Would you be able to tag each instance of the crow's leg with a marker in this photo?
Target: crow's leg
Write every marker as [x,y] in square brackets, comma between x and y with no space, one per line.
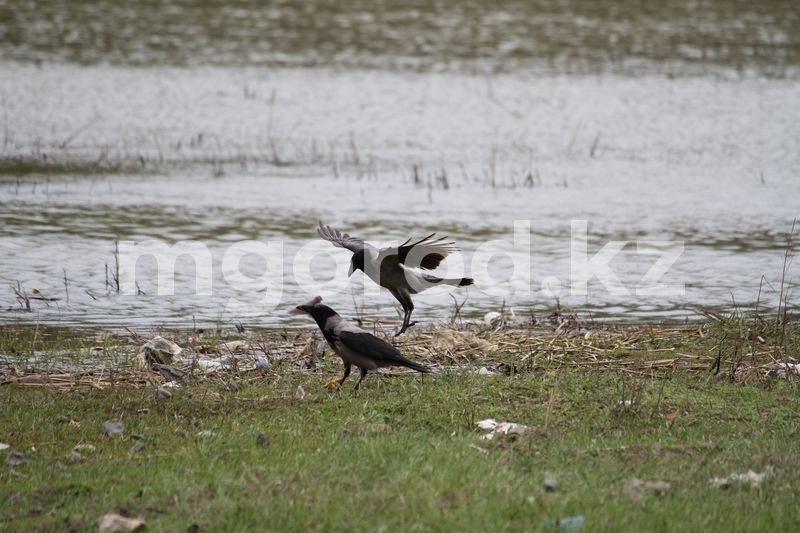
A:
[338,381]
[408,307]
[363,375]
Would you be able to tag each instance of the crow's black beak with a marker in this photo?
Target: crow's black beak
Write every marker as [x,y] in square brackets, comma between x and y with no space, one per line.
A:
[300,310]
[352,269]
[307,308]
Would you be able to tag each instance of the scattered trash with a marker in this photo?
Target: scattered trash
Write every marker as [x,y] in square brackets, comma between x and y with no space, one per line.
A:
[139,446]
[114,523]
[568,523]
[484,451]
[670,416]
[635,487]
[75,457]
[207,365]
[205,433]
[483,371]
[262,363]
[753,478]
[500,428]
[170,373]
[300,393]
[319,346]
[113,427]
[261,440]
[490,318]
[15,459]
[781,370]
[551,485]
[171,385]
[234,347]
[626,403]
[493,319]
[162,393]
[447,340]
[157,350]
[4,446]
[84,448]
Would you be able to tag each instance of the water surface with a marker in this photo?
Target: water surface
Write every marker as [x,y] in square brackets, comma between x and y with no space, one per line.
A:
[228,122]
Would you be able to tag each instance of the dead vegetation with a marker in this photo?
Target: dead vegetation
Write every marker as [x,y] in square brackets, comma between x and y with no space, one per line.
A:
[729,349]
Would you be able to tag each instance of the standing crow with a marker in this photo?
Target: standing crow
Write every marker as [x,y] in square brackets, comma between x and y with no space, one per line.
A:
[354,345]
[396,268]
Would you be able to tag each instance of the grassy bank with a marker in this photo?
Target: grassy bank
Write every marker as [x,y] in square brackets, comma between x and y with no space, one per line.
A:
[404,453]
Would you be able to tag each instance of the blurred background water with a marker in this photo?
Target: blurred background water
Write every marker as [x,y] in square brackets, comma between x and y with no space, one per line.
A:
[226,121]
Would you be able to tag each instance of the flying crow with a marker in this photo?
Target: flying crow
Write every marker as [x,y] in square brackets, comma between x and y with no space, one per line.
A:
[397,268]
[354,345]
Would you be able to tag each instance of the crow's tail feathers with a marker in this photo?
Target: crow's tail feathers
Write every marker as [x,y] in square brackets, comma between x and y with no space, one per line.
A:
[415,366]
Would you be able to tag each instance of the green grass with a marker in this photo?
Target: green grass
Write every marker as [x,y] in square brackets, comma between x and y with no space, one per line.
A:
[404,454]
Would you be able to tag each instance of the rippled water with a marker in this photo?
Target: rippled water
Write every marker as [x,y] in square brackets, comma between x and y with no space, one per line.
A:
[562,36]
[118,124]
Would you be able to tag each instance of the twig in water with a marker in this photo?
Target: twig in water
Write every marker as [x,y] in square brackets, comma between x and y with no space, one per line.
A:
[595,143]
[359,318]
[77,132]
[66,285]
[116,265]
[354,150]
[21,296]
[457,308]
[787,259]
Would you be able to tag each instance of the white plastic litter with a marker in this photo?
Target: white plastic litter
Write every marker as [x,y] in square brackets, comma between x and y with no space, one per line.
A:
[208,365]
[300,393]
[783,369]
[491,317]
[500,429]
[114,523]
[234,347]
[157,350]
[753,478]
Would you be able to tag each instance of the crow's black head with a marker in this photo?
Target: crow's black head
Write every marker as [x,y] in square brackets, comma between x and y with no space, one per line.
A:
[357,262]
[316,310]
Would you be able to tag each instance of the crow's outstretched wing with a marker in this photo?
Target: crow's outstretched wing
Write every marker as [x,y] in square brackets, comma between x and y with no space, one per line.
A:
[337,238]
[381,351]
[427,253]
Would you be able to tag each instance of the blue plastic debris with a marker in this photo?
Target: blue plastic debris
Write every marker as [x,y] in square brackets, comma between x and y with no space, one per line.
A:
[569,523]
